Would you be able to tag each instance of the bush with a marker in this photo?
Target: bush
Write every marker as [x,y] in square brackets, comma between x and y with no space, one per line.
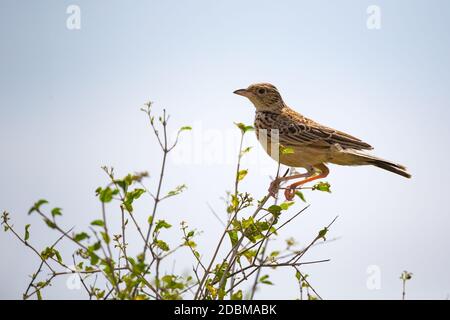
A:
[249,227]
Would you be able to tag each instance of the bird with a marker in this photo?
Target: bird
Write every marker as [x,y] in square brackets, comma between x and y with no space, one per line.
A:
[311,145]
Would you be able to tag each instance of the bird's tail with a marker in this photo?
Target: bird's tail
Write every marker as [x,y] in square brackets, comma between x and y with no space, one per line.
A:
[361,158]
[392,167]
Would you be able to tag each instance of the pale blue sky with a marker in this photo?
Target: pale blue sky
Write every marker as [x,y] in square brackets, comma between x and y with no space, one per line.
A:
[69,103]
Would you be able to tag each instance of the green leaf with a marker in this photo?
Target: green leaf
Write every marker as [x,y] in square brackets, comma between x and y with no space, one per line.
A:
[264,279]
[99,223]
[106,195]
[190,243]
[94,259]
[190,234]
[322,186]
[290,242]
[300,195]
[162,245]
[162,224]
[241,174]
[27,232]
[246,223]
[237,295]
[249,255]
[179,189]
[233,237]
[275,210]
[286,205]
[50,253]
[212,291]
[243,127]
[245,150]
[105,237]
[97,245]
[275,253]
[322,233]
[171,282]
[298,275]
[56,212]
[58,255]
[37,205]
[406,275]
[81,236]
[137,193]
[130,197]
[50,223]
[184,128]
[221,294]
[234,204]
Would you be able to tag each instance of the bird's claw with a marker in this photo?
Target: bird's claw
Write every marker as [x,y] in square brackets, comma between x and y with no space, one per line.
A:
[274,187]
[289,193]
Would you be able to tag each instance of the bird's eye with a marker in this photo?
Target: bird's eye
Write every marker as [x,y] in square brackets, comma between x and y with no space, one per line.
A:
[261,91]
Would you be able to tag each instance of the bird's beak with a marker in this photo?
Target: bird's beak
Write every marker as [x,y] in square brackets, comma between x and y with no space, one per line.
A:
[242,92]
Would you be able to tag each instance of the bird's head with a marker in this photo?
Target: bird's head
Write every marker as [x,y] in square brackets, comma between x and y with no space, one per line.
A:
[264,96]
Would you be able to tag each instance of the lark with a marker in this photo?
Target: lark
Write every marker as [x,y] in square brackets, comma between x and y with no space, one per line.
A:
[313,145]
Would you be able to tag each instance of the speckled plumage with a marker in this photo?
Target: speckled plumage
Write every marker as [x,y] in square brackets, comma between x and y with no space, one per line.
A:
[314,144]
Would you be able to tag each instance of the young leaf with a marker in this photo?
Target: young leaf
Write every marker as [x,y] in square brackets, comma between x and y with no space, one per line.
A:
[162,224]
[322,186]
[94,259]
[107,194]
[50,223]
[275,210]
[241,174]
[322,233]
[179,189]
[249,255]
[300,195]
[286,205]
[212,291]
[184,128]
[27,232]
[245,150]
[275,253]
[99,223]
[58,255]
[56,212]
[233,237]
[243,127]
[81,236]
[264,279]
[162,245]
[237,295]
[37,205]
[105,237]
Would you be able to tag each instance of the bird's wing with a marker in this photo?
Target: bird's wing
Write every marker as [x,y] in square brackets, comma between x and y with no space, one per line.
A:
[299,130]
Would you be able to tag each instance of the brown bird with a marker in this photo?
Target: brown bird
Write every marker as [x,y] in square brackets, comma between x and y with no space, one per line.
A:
[313,144]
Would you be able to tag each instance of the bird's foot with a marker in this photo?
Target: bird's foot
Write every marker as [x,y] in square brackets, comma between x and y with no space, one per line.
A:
[274,187]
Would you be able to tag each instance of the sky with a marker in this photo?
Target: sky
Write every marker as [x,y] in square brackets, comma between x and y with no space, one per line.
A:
[70,100]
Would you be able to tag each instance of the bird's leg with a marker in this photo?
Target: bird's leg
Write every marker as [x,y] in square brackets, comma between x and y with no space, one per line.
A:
[289,193]
[275,184]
